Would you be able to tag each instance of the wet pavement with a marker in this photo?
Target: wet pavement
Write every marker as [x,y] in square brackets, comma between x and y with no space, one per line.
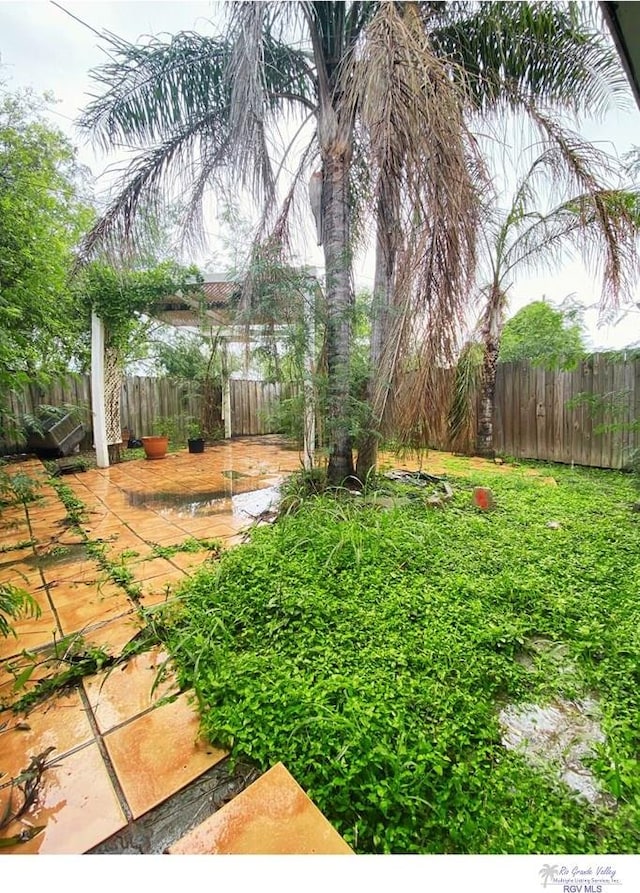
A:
[122,743]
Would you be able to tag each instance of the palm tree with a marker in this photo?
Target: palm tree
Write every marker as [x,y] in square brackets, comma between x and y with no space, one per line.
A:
[395,82]
[601,223]
[219,100]
[511,56]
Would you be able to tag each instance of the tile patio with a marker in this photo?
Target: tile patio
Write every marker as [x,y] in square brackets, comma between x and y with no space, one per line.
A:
[120,746]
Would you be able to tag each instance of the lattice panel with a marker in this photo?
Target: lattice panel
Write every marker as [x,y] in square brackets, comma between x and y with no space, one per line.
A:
[112,387]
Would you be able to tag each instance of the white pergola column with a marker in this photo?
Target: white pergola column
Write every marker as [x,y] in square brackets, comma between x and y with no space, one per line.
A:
[226,389]
[97,392]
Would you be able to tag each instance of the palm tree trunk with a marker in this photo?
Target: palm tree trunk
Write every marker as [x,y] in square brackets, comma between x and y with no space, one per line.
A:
[484,440]
[340,303]
[491,333]
[381,318]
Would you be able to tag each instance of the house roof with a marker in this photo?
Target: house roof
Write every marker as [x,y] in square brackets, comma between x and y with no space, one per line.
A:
[623,20]
[219,297]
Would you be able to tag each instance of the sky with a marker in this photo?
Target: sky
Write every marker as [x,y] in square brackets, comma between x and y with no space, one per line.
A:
[44,48]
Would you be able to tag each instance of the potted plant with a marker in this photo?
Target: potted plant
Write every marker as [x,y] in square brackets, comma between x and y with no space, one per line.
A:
[156,445]
[195,439]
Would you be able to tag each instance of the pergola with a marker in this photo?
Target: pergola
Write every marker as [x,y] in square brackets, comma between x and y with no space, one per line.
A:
[217,309]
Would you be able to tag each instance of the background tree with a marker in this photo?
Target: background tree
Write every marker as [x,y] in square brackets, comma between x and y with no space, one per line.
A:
[552,337]
[43,214]
[182,357]
[593,218]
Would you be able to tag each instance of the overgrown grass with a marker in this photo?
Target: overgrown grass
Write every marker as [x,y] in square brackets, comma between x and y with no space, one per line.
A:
[372,650]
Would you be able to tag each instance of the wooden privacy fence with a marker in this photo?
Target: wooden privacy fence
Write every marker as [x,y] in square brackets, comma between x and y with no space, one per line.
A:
[585,416]
[254,405]
[590,416]
[143,401]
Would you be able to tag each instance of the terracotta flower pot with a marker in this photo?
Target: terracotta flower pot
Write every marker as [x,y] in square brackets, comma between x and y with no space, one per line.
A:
[155,447]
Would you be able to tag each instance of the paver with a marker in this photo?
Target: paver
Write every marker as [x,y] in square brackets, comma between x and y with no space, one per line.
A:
[119,747]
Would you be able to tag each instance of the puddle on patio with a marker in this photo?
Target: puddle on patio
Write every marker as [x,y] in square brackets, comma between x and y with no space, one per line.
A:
[249,503]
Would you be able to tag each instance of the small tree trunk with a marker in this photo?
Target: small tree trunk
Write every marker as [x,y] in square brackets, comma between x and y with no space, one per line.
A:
[340,304]
[484,439]
[491,333]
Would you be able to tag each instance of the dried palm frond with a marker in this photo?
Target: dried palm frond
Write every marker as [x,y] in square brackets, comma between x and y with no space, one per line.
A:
[425,176]
[197,122]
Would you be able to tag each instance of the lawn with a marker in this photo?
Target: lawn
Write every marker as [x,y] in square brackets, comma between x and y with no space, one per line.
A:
[371,649]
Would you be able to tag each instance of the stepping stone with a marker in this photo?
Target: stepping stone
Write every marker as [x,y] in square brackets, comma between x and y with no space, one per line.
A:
[272,816]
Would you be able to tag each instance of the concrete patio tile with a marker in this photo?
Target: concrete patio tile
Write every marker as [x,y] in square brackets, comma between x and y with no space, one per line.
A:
[77,805]
[106,529]
[159,589]
[155,530]
[9,693]
[67,592]
[130,689]
[211,529]
[14,556]
[159,753]
[20,573]
[30,634]
[171,537]
[189,561]
[77,571]
[60,722]
[154,567]
[15,535]
[119,548]
[113,635]
[273,816]
[79,613]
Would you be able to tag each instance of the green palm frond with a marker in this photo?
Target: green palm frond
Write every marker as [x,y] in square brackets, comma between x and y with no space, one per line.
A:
[148,90]
[547,52]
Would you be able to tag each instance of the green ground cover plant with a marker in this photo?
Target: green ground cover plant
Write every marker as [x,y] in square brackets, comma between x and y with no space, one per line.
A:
[371,651]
